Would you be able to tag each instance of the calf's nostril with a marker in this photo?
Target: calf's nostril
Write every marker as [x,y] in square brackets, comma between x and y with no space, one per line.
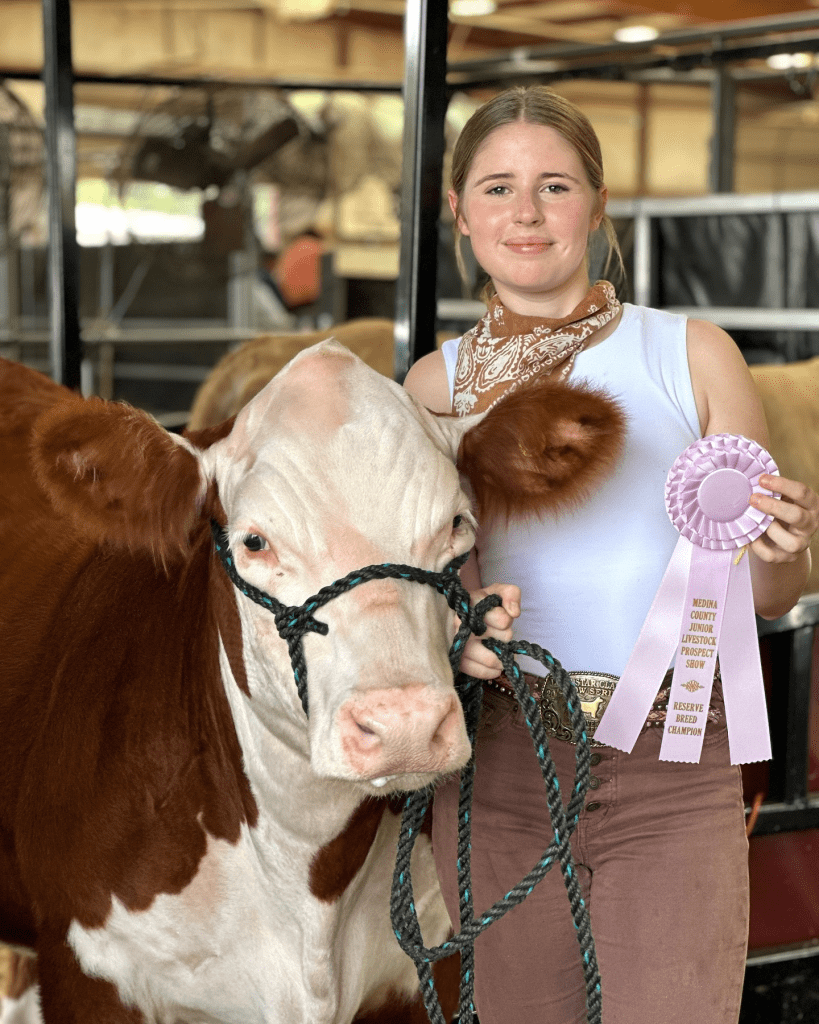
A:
[366,739]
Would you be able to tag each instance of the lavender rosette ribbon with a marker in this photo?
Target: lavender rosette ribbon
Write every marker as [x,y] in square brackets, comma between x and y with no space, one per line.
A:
[704,604]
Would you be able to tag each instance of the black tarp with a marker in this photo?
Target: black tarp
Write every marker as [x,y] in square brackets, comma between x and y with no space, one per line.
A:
[756,260]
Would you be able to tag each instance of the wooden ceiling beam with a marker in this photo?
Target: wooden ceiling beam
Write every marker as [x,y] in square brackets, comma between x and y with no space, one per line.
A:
[560,10]
[587,31]
[727,10]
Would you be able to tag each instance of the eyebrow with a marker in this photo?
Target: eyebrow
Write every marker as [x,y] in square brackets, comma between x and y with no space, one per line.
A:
[506,175]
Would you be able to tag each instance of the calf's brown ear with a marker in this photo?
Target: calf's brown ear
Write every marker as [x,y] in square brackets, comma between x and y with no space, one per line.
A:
[543,447]
[118,476]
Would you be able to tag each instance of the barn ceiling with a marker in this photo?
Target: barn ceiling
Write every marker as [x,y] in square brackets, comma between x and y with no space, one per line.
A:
[321,42]
[515,22]
[169,36]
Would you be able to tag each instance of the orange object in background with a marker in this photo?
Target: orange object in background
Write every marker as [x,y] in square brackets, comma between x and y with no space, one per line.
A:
[298,271]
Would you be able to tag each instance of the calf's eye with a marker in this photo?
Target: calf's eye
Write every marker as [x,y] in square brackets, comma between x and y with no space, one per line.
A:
[456,522]
[253,542]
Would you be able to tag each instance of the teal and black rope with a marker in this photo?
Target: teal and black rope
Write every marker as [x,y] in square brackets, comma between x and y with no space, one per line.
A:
[293,623]
[564,821]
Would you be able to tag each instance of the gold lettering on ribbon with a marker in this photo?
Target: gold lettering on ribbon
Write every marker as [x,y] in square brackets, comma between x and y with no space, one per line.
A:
[698,646]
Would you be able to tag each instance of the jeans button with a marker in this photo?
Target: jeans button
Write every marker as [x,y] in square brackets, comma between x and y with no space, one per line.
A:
[593,806]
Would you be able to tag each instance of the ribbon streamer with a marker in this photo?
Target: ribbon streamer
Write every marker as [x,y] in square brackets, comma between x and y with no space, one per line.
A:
[704,605]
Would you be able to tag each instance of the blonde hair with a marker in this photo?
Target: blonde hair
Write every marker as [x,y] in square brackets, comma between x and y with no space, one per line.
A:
[534,104]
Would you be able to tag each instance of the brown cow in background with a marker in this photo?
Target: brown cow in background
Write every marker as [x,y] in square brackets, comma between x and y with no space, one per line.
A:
[241,374]
[790,395]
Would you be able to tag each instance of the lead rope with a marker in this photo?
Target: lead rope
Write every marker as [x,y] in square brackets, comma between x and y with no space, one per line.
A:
[294,622]
[564,821]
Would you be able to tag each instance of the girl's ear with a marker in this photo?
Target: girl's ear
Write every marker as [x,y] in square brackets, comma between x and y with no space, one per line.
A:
[600,212]
[545,446]
[460,223]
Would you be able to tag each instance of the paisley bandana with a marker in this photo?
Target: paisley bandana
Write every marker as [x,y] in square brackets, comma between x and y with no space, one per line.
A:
[505,349]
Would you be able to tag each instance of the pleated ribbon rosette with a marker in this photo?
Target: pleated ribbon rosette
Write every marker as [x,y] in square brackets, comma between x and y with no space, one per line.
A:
[704,606]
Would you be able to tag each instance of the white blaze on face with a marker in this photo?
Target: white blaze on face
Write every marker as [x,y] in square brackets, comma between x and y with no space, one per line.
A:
[335,468]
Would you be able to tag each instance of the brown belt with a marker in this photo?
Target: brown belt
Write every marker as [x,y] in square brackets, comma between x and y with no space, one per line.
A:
[594,689]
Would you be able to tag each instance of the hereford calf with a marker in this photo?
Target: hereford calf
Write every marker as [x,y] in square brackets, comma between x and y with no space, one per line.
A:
[179,841]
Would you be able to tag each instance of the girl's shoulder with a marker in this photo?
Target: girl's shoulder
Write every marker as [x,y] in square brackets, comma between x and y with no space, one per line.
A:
[727,399]
[427,381]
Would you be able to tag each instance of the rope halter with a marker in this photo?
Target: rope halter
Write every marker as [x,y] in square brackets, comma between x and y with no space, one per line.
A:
[294,622]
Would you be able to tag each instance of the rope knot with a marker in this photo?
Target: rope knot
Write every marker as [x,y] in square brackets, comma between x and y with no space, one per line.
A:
[293,623]
[477,619]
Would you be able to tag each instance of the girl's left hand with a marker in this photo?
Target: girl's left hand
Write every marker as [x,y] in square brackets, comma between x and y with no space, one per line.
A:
[796,519]
[476,659]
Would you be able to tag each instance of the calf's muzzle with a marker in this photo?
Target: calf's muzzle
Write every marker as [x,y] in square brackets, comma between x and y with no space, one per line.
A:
[413,729]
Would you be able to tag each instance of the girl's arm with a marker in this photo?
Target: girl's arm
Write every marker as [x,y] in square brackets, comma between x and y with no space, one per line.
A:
[426,381]
[728,402]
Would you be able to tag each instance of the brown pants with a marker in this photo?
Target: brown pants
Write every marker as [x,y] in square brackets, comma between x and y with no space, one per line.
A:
[663,862]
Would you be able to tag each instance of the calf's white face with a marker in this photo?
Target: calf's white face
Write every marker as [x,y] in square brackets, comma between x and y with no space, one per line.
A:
[332,468]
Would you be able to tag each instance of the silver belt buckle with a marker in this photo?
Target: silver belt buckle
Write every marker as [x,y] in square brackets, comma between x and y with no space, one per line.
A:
[594,690]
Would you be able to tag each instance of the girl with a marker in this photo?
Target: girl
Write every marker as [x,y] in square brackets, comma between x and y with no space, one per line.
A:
[660,846]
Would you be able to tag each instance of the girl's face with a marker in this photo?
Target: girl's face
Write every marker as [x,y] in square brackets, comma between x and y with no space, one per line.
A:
[528,208]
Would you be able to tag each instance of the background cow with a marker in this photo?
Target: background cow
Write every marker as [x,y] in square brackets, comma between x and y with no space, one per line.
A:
[790,395]
[242,373]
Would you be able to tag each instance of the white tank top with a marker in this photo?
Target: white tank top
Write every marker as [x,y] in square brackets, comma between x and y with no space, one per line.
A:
[588,575]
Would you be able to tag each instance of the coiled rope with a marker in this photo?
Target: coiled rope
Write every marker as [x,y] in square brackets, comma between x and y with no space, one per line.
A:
[294,622]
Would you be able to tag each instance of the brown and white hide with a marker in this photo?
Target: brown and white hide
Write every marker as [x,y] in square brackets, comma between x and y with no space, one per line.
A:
[179,842]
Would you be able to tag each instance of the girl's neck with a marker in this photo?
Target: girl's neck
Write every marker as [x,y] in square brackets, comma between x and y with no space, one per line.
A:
[551,305]
[557,306]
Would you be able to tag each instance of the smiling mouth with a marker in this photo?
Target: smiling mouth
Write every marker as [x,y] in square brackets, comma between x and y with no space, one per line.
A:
[534,246]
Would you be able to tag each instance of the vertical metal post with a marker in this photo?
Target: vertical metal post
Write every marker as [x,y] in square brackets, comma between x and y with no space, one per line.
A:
[61,162]
[6,297]
[723,138]
[643,258]
[241,273]
[425,103]
[643,110]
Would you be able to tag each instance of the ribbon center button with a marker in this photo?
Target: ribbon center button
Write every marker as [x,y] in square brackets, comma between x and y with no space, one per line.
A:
[723,495]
